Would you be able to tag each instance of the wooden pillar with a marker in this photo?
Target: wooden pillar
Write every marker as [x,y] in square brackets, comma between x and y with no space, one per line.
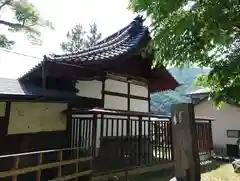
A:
[69,126]
[186,154]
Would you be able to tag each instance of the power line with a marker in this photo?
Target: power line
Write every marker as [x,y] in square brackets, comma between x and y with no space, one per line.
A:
[22,54]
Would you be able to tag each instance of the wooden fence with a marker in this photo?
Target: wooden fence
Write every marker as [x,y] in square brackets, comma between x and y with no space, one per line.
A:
[51,165]
[130,139]
[204,135]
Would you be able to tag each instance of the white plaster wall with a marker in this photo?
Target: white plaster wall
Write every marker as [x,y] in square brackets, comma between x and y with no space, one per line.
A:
[226,118]
[115,102]
[91,89]
[120,103]
[116,86]
[2,109]
[28,117]
[139,90]
[138,105]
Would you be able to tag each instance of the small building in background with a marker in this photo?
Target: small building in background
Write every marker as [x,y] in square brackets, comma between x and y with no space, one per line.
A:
[226,124]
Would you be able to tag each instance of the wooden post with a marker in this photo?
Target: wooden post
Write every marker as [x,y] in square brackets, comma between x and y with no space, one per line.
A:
[15,167]
[139,140]
[60,158]
[186,153]
[38,175]
[94,134]
[210,134]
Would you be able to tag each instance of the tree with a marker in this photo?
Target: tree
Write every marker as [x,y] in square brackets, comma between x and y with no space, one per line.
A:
[198,32]
[93,37]
[26,19]
[76,40]
[79,39]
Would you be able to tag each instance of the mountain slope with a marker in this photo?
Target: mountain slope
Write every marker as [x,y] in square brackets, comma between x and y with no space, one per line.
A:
[161,102]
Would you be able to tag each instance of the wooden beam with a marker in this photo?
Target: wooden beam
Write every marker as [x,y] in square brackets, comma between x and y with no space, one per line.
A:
[125,78]
[128,108]
[103,89]
[124,95]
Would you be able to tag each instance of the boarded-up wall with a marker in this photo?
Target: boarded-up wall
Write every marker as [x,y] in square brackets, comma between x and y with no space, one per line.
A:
[34,126]
[28,117]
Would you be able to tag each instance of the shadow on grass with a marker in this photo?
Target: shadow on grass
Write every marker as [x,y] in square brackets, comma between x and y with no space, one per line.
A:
[162,175]
[167,174]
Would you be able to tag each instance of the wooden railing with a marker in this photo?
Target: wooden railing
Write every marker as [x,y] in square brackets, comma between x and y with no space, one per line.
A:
[25,168]
[131,139]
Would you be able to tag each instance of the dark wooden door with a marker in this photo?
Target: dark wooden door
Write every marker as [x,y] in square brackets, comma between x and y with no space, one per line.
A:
[232,151]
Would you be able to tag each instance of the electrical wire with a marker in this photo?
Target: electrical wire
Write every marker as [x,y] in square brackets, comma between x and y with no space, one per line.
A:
[17,53]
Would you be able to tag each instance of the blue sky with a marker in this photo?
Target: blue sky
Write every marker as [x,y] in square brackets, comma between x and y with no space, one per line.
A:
[110,15]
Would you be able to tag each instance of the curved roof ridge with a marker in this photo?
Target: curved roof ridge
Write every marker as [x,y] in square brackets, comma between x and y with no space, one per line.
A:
[94,47]
[93,50]
[124,33]
[117,44]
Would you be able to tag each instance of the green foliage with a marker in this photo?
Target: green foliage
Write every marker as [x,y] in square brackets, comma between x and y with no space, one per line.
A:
[93,37]
[26,19]
[78,39]
[5,43]
[75,38]
[198,32]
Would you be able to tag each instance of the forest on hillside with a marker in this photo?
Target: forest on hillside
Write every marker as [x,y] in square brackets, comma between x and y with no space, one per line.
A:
[161,101]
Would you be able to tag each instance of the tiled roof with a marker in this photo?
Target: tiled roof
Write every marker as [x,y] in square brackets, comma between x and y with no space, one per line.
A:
[105,56]
[118,44]
[14,87]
